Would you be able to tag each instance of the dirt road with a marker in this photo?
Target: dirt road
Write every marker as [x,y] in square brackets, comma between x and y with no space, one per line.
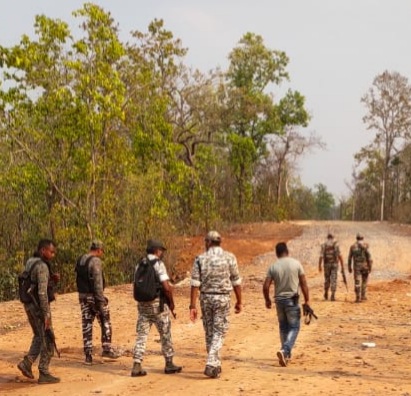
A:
[328,357]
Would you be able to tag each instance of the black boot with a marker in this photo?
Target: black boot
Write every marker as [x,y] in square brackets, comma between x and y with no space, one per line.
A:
[25,367]
[332,296]
[170,367]
[326,295]
[46,378]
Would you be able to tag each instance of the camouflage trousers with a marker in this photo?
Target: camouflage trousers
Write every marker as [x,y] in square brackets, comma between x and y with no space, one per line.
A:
[40,345]
[215,310]
[89,312]
[149,314]
[330,276]
[360,282]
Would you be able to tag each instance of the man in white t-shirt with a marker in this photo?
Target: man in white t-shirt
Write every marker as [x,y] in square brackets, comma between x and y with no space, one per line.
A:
[288,276]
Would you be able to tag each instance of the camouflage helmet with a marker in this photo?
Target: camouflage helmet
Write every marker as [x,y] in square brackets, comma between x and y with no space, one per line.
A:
[360,236]
[96,244]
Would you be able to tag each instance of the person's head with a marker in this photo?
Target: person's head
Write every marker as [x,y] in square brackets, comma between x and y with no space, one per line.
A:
[359,236]
[46,249]
[281,249]
[155,247]
[330,236]
[213,238]
[97,248]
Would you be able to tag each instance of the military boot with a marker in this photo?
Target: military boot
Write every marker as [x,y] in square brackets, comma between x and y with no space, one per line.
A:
[170,367]
[46,378]
[358,299]
[25,367]
[332,296]
[137,370]
[326,295]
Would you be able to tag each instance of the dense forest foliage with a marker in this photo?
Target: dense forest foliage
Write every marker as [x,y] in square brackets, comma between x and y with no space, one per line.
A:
[123,141]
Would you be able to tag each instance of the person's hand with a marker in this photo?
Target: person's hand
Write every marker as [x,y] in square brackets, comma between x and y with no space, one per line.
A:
[350,270]
[193,314]
[268,304]
[320,269]
[238,307]
[47,323]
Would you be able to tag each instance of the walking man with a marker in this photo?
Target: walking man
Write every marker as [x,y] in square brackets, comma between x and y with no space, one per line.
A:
[288,276]
[39,313]
[90,286]
[215,274]
[330,255]
[360,256]
[157,311]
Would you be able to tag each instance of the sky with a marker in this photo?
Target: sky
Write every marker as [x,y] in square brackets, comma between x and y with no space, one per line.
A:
[336,49]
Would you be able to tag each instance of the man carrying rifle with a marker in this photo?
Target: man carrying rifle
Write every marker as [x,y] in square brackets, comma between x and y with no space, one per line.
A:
[330,255]
[156,311]
[288,276]
[39,314]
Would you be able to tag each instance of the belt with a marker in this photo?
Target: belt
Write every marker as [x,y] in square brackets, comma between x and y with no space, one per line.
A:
[216,293]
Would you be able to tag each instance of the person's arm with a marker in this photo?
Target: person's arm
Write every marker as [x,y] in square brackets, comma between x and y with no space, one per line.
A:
[236,283]
[195,288]
[168,291]
[43,275]
[349,261]
[238,305]
[304,288]
[96,272]
[320,260]
[369,259]
[266,292]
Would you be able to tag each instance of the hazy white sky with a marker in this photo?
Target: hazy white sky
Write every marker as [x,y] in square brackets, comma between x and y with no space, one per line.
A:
[336,48]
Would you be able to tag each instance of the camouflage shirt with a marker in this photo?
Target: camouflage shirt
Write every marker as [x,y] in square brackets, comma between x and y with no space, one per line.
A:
[215,271]
[330,251]
[40,276]
[96,277]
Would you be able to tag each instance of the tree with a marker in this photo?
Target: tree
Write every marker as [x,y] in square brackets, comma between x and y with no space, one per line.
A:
[324,202]
[388,103]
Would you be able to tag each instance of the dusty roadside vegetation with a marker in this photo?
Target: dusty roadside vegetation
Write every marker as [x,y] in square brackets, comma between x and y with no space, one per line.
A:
[328,359]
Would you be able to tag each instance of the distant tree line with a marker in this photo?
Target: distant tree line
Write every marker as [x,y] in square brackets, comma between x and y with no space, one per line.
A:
[123,141]
[381,181]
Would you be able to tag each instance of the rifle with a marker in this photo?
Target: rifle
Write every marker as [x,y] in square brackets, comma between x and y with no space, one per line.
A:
[49,333]
[344,279]
[164,299]
[308,312]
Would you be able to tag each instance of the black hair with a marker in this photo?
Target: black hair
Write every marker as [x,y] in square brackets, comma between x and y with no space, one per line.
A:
[281,249]
[44,243]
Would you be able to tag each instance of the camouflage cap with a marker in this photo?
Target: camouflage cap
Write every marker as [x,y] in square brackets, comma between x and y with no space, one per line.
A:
[360,236]
[213,236]
[155,244]
[96,244]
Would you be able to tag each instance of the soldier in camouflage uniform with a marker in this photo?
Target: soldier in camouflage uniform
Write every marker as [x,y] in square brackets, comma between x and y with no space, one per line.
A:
[39,314]
[330,255]
[214,274]
[93,303]
[155,312]
[360,256]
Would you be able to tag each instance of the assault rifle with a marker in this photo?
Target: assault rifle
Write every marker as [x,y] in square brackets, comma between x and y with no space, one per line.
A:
[52,339]
[344,279]
[48,333]
[308,312]
[164,299]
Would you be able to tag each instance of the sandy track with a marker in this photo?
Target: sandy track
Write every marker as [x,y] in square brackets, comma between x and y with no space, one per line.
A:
[328,357]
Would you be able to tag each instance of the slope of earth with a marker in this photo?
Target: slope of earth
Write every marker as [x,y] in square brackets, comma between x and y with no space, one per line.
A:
[329,357]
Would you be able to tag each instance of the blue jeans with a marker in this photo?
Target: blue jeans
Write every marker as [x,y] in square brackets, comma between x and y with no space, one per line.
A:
[289,316]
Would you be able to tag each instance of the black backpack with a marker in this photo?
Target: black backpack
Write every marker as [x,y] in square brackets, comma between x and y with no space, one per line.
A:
[146,286]
[25,284]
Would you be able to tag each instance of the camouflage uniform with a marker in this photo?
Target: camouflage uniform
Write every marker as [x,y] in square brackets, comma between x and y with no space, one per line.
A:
[361,257]
[330,252]
[215,272]
[36,314]
[95,305]
[149,314]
